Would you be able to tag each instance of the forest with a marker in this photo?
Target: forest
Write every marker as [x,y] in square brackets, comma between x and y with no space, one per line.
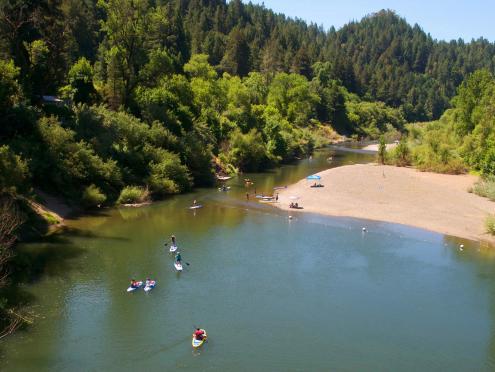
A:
[153,97]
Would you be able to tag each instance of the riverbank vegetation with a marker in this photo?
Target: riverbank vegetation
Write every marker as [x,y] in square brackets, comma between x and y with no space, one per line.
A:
[126,99]
[462,139]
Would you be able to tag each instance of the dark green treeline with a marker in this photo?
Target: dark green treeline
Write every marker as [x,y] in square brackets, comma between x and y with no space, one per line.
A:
[158,94]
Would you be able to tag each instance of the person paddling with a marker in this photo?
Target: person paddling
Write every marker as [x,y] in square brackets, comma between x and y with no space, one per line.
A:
[178,258]
[199,334]
[174,243]
[134,284]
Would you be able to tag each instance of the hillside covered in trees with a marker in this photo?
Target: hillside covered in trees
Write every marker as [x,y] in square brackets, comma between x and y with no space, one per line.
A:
[152,91]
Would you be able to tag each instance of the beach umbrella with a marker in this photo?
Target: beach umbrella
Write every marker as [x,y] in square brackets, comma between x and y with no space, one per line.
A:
[313,177]
[293,197]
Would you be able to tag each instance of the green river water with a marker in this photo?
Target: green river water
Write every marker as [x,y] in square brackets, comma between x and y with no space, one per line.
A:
[309,294]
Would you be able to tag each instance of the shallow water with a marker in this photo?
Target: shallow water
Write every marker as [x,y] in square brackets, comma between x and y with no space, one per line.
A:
[311,293]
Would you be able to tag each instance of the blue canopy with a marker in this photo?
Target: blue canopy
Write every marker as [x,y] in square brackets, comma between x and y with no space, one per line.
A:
[313,177]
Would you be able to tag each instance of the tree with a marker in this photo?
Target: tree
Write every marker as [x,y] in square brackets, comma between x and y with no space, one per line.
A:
[13,171]
[126,29]
[10,91]
[236,58]
[10,220]
[382,150]
[81,88]
[292,96]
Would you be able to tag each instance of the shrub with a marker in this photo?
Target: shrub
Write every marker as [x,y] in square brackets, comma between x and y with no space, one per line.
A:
[13,170]
[485,187]
[401,155]
[92,197]
[133,194]
[382,150]
[490,224]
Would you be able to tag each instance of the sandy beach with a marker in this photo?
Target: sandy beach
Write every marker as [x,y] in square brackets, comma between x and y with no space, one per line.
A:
[374,147]
[436,202]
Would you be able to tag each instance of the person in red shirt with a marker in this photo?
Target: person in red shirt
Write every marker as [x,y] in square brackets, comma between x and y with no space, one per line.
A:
[199,334]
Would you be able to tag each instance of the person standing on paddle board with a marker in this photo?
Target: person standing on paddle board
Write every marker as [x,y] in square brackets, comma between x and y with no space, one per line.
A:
[178,258]
[173,240]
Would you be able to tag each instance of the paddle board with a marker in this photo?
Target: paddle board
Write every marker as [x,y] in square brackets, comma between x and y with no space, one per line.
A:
[132,289]
[197,343]
[150,286]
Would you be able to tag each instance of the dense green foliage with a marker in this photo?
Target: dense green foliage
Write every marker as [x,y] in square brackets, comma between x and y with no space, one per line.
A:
[159,93]
[133,194]
[464,137]
[93,197]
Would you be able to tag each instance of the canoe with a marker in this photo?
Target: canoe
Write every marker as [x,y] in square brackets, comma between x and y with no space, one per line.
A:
[224,189]
[198,343]
[279,187]
[223,178]
[150,286]
[196,206]
[178,266]
[173,248]
[132,289]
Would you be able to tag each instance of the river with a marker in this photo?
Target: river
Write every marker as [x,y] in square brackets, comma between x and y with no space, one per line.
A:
[312,293]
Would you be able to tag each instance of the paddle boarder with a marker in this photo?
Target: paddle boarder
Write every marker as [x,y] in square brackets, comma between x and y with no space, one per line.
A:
[178,258]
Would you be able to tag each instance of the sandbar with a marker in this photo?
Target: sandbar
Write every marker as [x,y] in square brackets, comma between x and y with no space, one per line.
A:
[432,201]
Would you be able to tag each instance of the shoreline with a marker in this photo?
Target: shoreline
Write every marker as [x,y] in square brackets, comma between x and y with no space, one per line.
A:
[436,202]
[375,146]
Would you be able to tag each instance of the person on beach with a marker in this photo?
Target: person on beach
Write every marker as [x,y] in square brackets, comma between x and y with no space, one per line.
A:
[276,197]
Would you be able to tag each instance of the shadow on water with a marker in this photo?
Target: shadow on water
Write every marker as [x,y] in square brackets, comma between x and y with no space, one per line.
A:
[49,256]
